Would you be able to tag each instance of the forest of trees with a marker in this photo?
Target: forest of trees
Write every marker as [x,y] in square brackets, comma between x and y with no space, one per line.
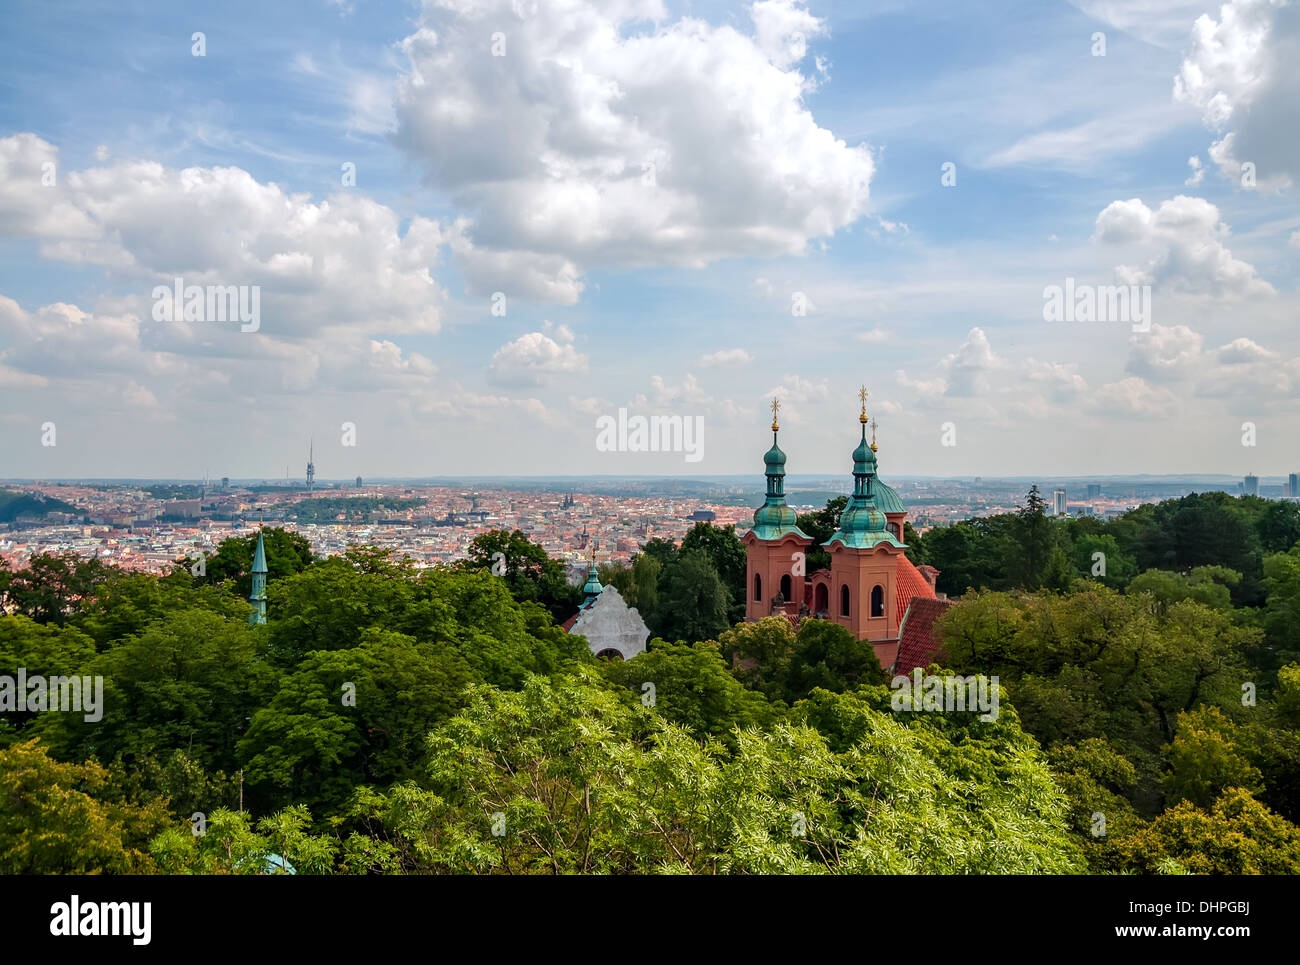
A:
[389,719]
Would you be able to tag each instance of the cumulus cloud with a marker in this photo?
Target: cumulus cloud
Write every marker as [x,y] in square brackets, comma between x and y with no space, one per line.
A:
[967,368]
[605,133]
[727,357]
[1240,73]
[1166,353]
[338,262]
[535,359]
[1133,398]
[1241,368]
[1182,245]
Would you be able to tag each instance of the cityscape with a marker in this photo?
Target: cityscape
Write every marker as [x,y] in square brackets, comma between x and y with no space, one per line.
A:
[621,438]
[153,526]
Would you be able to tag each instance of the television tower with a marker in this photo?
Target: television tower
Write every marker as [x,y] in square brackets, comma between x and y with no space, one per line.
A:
[311,467]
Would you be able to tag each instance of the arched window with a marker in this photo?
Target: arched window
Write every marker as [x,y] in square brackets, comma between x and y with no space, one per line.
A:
[823,598]
[877,601]
[758,587]
[844,600]
[785,587]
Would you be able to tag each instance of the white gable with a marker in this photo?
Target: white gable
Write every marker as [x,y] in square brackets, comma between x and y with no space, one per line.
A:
[610,624]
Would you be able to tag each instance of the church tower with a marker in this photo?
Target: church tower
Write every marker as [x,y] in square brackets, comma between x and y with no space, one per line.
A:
[864,595]
[775,548]
[258,597]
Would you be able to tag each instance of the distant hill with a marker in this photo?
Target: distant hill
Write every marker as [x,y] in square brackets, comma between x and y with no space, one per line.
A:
[15,504]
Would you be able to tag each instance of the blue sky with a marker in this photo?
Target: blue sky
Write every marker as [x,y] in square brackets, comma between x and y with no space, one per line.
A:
[794,153]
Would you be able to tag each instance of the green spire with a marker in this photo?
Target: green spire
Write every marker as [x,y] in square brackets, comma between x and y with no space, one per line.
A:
[258,597]
[774,518]
[862,524]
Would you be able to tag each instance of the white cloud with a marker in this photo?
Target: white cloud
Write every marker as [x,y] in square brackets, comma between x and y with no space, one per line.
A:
[727,357]
[608,134]
[1182,242]
[968,368]
[1166,353]
[875,335]
[1198,172]
[535,359]
[796,389]
[338,262]
[1240,73]
[1133,398]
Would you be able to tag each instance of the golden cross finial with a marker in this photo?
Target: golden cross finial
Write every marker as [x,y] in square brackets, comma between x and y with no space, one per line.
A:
[776,407]
[873,435]
[862,394]
[593,552]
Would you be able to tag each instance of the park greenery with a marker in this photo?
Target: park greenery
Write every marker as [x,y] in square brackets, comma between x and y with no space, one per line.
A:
[389,719]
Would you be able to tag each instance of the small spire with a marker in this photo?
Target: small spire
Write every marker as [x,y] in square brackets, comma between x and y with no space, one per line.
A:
[776,407]
[873,435]
[862,394]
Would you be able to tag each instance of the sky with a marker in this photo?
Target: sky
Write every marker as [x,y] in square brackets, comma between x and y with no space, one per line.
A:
[473,231]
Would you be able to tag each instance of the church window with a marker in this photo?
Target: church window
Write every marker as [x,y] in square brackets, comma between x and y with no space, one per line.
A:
[785,587]
[758,586]
[878,601]
[844,600]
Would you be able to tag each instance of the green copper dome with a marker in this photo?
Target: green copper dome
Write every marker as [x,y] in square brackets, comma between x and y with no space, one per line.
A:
[862,524]
[592,589]
[774,519]
[887,498]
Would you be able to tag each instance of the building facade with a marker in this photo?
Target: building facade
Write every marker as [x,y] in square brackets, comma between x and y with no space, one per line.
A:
[870,587]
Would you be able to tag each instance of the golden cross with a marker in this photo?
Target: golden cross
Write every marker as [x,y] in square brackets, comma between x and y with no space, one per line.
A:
[862,394]
[593,553]
[776,407]
[873,435]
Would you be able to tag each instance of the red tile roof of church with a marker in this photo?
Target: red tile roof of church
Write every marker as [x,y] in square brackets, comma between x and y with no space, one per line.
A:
[910,583]
[917,646]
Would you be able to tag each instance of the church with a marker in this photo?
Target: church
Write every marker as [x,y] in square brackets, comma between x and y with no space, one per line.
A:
[871,588]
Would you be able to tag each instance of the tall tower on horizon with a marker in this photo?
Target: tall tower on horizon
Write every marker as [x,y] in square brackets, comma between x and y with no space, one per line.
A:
[311,466]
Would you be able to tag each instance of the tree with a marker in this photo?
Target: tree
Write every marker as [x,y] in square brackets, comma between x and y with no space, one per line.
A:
[1205,759]
[566,777]
[693,602]
[691,688]
[1238,835]
[62,818]
[190,682]
[52,587]
[286,554]
[727,554]
[351,717]
[826,655]
[529,572]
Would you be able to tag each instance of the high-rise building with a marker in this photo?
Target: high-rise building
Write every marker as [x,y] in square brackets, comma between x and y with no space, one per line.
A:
[1058,502]
[225,482]
[1094,490]
[358,482]
[1293,485]
[311,467]
[1250,485]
